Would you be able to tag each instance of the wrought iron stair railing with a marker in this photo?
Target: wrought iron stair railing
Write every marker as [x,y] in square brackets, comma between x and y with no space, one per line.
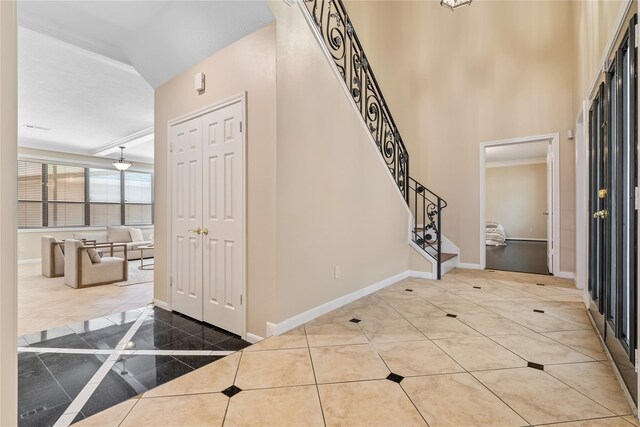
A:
[426,209]
[330,19]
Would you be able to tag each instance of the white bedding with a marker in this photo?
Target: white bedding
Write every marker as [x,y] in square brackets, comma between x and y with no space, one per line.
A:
[495,234]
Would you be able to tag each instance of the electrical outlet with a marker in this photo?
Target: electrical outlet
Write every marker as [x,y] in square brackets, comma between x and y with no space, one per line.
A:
[336,272]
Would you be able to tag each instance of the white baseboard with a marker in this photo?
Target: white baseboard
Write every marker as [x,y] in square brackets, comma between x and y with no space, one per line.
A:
[161,304]
[251,338]
[299,319]
[469,266]
[527,239]
[566,275]
[420,274]
[30,261]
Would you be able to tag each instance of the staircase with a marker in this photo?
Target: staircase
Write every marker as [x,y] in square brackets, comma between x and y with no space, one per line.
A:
[332,27]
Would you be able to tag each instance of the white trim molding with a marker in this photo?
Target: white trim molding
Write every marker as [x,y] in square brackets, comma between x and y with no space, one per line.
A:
[299,319]
[161,304]
[554,140]
[30,261]
[470,266]
[508,163]
[566,275]
[252,339]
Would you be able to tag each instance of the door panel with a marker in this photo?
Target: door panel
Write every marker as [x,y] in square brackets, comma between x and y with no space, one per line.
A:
[186,248]
[224,218]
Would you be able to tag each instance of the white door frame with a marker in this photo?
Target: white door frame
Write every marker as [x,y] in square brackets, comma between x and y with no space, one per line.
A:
[582,189]
[241,97]
[554,139]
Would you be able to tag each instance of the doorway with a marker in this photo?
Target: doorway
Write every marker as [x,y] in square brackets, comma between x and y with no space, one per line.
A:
[207,163]
[519,205]
[613,181]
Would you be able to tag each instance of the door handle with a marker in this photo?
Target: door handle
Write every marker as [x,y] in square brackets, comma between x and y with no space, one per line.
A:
[601,214]
[545,213]
[205,231]
[196,230]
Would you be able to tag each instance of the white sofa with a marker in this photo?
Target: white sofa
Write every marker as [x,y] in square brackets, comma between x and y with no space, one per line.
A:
[84,267]
[119,235]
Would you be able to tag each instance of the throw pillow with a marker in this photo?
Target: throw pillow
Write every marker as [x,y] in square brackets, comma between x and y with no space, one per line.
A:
[94,256]
[136,235]
[118,234]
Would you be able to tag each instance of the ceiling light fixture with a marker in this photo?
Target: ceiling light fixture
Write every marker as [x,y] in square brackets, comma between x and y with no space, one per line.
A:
[121,164]
[454,4]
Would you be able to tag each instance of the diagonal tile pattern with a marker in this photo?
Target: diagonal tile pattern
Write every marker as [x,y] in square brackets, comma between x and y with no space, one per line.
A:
[124,354]
[453,352]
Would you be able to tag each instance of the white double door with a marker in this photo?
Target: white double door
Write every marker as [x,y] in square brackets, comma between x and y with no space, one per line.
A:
[207,216]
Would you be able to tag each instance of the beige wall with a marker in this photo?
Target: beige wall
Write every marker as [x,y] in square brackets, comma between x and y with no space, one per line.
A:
[594,27]
[330,202]
[516,197]
[336,203]
[8,194]
[247,65]
[492,71]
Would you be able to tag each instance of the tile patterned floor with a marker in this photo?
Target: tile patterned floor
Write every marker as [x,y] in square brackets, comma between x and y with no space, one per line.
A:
[56,304]
[478,348]
[71,372]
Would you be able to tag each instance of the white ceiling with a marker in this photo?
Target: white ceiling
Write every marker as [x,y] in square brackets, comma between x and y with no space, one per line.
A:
[159,38]
[87,69]
[517,152]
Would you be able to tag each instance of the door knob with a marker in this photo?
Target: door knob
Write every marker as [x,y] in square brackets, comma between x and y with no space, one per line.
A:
[205,231]
[196,230]
[601,214]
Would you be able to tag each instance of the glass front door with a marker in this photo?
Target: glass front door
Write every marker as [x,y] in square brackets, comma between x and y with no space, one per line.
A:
[613,152]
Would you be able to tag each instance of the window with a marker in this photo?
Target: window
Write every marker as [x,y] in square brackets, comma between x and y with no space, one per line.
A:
[105,200]
[138,198]
[30,187]
[52,195]
[65,196]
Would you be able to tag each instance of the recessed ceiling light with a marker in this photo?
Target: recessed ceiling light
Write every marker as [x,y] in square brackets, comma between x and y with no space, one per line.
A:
[37,127]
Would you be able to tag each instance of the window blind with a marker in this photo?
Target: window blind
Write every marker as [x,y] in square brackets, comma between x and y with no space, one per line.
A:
[138,187]
[104,186]
[65,183]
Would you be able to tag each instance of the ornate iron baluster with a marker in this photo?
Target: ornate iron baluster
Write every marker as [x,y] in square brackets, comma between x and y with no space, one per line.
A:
[341,41]
[333,24]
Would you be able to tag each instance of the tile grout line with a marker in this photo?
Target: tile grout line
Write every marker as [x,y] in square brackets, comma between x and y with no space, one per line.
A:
[315,378]
[87,391]
[87,351]
[235,376]
[517,355]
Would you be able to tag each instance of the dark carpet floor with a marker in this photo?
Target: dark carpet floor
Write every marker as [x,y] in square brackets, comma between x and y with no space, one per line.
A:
[519,255]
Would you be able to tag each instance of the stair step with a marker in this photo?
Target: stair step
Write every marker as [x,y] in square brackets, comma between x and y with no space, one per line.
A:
[446,256]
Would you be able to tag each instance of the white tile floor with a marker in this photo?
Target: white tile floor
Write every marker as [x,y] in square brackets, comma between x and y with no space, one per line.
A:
[440,353]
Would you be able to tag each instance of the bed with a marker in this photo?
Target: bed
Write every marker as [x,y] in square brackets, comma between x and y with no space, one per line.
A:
[495,234]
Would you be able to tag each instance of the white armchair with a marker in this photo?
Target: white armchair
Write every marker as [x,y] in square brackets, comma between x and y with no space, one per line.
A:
[84,267]
[52,252]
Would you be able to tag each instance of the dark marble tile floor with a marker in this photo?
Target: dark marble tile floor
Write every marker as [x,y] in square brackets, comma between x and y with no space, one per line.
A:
[48,382]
